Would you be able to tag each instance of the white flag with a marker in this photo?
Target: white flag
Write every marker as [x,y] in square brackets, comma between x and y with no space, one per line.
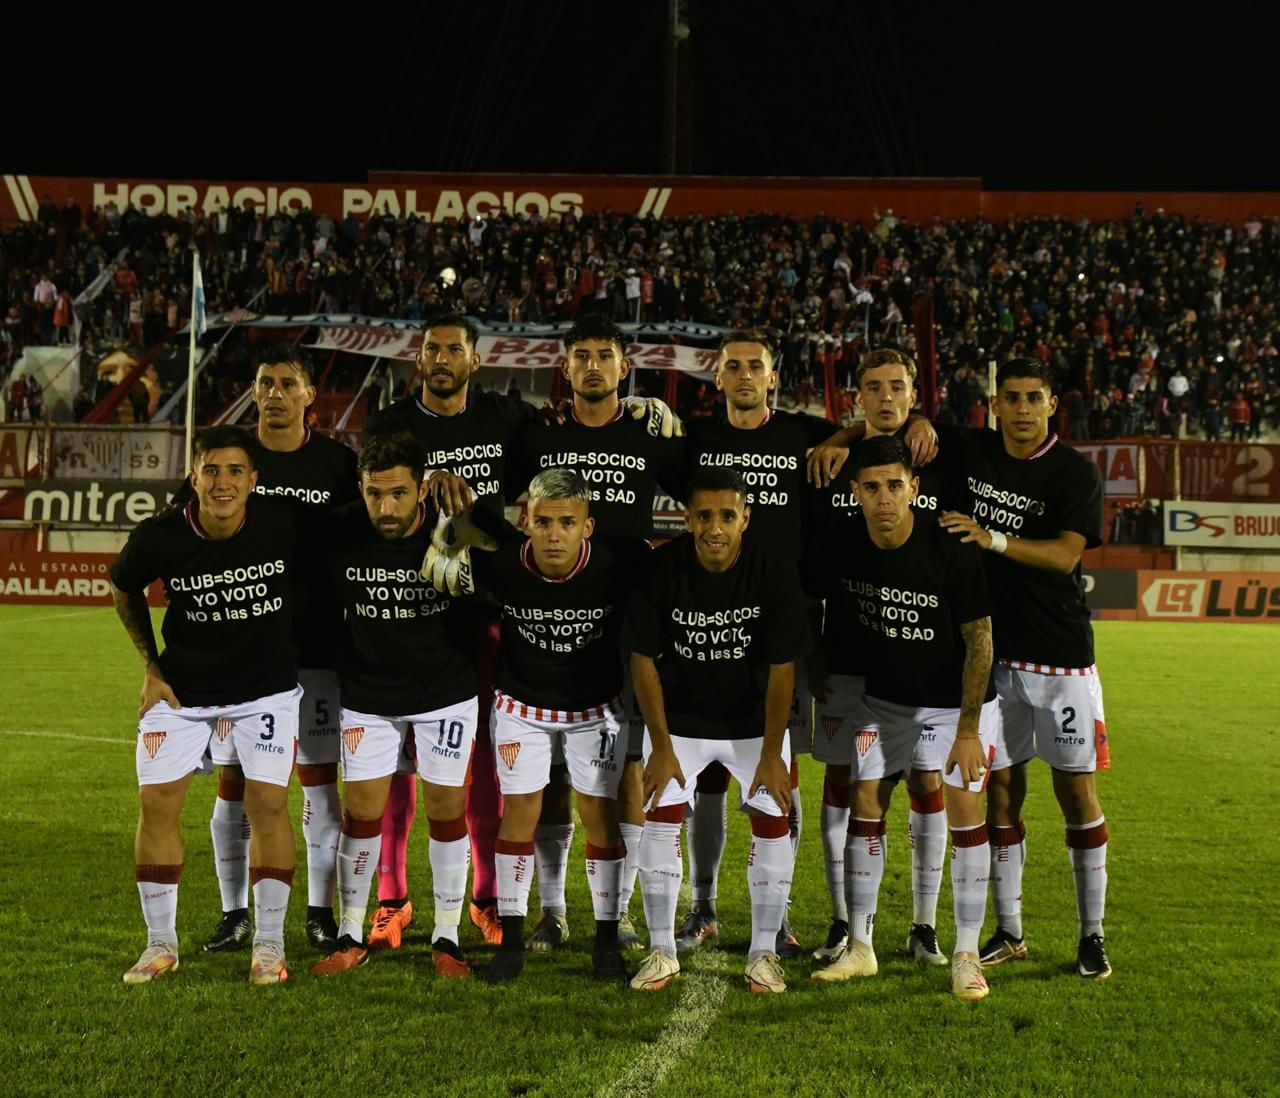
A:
[197,297]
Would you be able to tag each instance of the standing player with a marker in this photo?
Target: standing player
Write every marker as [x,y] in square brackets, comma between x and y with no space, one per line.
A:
[768,447]
[292,461]
[887,393]
[1037,506]
[714,634]
[624,465]
[914,603]
[227,673]
[558,681]
[405,666]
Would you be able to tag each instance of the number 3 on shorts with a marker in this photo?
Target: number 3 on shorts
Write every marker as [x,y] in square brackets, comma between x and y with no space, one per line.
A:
[270,721]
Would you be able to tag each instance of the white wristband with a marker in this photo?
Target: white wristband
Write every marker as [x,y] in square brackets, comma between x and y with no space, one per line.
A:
[999,543]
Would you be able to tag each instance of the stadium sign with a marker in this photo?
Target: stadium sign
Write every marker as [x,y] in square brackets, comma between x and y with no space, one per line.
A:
[1209,596]
[1118,463]
[19,452]
[146,453]
[111,503]
[61,579]
[1227,525]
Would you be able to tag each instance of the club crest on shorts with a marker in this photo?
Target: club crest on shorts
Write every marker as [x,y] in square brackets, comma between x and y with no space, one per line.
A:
[151,741]
[863,739]
[508,752]
[352,737]
[222,728]
[831,725]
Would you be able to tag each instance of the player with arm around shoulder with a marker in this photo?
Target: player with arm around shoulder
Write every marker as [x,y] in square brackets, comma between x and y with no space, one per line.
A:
[225,684]
[714,633]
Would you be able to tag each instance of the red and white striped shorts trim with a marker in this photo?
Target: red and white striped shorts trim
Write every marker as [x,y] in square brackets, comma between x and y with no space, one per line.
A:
[508,704]
[1045,669]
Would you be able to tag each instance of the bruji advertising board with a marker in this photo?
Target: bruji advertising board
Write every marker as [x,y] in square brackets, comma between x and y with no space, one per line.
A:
[1222,525]
[1209,596]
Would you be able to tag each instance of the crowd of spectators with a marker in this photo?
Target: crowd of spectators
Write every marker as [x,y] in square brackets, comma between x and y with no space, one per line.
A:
[1155,323]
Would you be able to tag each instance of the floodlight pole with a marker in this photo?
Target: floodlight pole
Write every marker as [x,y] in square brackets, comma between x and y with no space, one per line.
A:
[677,92]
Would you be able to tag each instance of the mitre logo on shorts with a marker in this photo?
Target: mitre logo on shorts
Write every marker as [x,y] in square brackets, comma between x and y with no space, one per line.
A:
[1174,598]
[152,741]
[831,725]
[508,753]
[352,737]
[863,739]
[222,728]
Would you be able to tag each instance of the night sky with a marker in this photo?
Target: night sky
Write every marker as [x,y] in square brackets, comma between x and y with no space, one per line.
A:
[1107,97]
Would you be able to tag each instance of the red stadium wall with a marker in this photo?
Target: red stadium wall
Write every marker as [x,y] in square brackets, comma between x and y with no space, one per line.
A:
[440,195]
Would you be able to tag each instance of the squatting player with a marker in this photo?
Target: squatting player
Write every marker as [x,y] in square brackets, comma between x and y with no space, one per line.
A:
[227,673]
[624,464]
[714,633]
[1037,505]
[913,604]
[406,664]
[295,462]
[769,448]
[564,597]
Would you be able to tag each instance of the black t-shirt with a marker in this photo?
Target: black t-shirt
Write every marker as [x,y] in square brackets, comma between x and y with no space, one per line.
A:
[475,444]
[942,486]
[895,614]
[406,648]
[714,635]
[1040,616]
[561,638]
[772,460]
[229,625]
[621,462]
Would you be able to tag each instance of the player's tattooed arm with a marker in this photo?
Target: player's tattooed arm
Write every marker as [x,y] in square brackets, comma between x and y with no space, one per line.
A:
[135,616]
[662,766]
[967,753]
[1060,554]
[828,458]
[772,773]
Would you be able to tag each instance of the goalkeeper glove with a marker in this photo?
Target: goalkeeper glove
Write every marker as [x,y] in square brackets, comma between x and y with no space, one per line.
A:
[447,565]
[659,420]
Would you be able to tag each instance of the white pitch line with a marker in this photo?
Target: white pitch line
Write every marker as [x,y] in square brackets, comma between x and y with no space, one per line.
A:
[52,617]
[63,736]
[700,1000]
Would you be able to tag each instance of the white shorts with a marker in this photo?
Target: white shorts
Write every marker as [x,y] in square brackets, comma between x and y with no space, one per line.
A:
[1056,717]
[593,747]
[843,713]
[632,719]
[261,736]
[886,745]
[318,717]
[373,745]
[739,757]
[800,724]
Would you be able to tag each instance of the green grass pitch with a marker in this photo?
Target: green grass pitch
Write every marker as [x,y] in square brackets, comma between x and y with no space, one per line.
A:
[1193,1007]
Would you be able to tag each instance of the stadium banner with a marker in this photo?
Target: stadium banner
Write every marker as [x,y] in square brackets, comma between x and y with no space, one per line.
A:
[1111,588]
[1209,596]
[98,502]
[116,453]
[439,196]
[508,351]
[1119,463]
[1215,525]
[61,579]
[19,453]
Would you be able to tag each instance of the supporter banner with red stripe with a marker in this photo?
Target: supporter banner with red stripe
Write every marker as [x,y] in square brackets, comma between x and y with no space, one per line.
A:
[440,196]
[1164,468]
[1209,596]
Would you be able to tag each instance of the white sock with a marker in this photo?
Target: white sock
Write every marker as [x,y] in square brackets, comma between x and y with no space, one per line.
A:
[928,834]
[835,825]
[604,878]
[160,911]
[1087,845]
[321,826]
[514,863]
[357,859]
[1008,859]
[864,858]
[229,828]
[450,859]
[970,866]
[707,828]
[551,844]
[630,866]
[661,870]
[769,867]
[270,902]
